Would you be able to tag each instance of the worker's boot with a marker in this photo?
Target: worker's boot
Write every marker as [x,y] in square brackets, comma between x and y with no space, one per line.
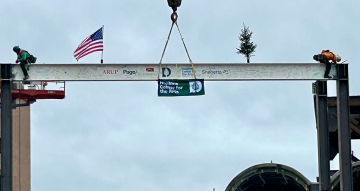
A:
[26,77]
[327,75]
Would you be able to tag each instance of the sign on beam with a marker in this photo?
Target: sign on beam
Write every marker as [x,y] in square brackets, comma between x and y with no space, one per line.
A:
[181,87]
[149,72]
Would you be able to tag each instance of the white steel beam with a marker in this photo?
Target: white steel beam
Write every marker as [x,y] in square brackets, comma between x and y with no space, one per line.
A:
[149,72]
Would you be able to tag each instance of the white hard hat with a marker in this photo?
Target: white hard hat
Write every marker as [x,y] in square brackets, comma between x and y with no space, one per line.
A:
[338,58]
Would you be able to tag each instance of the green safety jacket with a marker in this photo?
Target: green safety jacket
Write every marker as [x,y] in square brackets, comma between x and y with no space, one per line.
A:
[23,56]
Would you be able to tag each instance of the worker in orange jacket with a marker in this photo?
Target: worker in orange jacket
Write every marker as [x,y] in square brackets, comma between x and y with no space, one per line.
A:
[325,57]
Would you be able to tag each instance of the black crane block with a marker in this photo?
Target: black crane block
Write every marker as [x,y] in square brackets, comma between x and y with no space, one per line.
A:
[174,3]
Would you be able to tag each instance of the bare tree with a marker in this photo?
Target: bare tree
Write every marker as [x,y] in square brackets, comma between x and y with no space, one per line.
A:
[246,48]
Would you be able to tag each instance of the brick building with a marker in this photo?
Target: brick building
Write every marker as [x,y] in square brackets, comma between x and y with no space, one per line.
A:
[21,148]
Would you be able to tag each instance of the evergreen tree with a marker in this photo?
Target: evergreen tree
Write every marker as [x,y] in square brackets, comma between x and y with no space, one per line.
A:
[246,48]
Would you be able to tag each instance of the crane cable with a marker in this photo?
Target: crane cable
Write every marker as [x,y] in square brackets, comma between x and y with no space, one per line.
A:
[174,17]
[167,41]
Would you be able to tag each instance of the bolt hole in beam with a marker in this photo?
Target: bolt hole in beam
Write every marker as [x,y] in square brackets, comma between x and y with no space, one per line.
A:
[150,72]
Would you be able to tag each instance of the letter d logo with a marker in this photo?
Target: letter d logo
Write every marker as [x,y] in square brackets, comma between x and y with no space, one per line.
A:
[166,72]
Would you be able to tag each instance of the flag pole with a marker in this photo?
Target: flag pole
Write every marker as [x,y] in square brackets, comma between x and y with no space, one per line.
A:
[102,52]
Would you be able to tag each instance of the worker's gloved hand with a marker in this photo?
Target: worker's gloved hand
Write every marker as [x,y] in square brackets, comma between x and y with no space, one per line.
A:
[16,61]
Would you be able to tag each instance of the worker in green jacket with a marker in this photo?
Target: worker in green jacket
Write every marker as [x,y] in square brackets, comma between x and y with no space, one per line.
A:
[23,57]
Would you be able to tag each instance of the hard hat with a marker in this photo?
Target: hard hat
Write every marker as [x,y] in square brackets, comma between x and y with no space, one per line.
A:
[316,57]
[338,58]
[16,48]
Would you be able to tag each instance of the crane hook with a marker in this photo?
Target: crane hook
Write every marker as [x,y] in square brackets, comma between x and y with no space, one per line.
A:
[174,17]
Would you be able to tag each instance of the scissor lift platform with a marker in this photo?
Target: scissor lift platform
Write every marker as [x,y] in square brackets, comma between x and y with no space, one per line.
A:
[36,90]
[37,94]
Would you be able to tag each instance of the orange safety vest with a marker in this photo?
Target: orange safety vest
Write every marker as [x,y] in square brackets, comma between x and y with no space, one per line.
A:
[329,55]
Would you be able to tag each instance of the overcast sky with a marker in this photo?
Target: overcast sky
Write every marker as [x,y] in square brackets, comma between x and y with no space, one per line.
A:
[120,136]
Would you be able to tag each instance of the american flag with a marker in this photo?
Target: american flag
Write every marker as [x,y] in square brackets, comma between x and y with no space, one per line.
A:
[91,44]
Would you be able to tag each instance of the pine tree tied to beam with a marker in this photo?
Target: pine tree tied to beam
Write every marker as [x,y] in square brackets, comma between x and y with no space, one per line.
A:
[246,48]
